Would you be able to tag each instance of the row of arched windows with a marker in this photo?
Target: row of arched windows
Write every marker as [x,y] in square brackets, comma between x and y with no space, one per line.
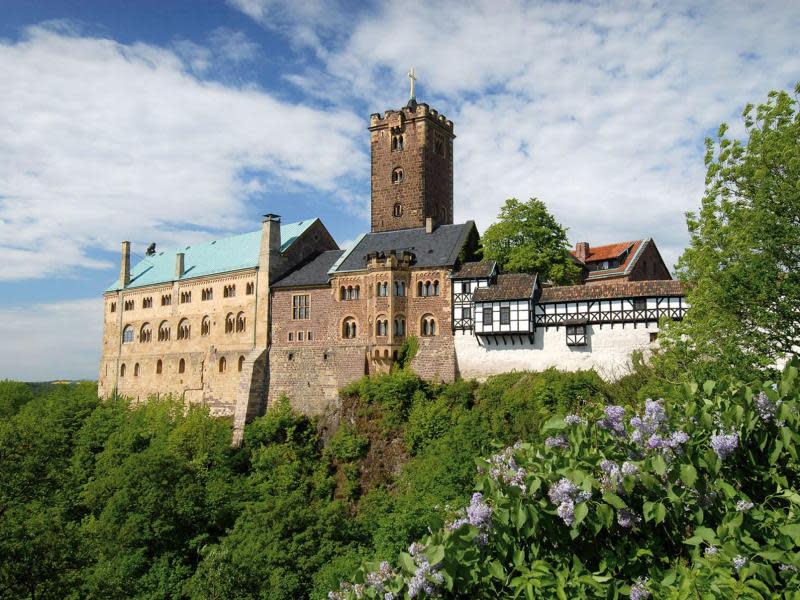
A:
[428,288]
[222,366]
[233,324]
[350,292]
[427,327]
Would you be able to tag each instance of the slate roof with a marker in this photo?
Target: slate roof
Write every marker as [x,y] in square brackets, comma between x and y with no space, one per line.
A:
[512,286]
[475,270]
[313,273]
[612,289]
[209,258]
[439,248]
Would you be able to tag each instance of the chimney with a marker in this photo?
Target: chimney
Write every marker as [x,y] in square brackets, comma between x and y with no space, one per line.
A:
[582,251]
[179,265]
[428,224]
[125,267]
[271,244]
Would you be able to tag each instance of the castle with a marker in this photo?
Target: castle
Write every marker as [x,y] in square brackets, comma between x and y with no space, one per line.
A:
[235,323]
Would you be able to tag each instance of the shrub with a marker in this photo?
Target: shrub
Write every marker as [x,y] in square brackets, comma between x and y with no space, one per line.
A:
[691,497]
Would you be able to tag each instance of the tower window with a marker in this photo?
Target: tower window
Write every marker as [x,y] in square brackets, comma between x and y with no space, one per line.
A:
[397,175]
[438,145]
[127,335]
[398,142]
[398,210]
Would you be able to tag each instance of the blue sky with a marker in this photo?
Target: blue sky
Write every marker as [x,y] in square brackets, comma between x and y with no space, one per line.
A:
[174,121]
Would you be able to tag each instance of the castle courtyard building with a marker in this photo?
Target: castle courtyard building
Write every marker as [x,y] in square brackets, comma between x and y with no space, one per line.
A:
[235,323]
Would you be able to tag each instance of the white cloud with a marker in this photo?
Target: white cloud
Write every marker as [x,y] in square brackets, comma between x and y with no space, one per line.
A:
[51,341]
[597,108]
[101,141]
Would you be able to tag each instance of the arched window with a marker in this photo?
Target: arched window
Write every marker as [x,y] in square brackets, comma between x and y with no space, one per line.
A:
[159,366]
[205,326]
[420,289]
[382,288]
[122,370]
[397,142]
[222,365]
[400,326]
[184,329]
[229,291]
[230,323]
[399,288]
[127,334]
[382,327]
[427,326]
[350,292]
[428,288]
[181,366]
[240,366]
[249,288]
[240,322]
[145,333]
[436,288]
[356,292]
[163,331]
[349,328]
[136,370]
[397,175]
[397,211]
[342,293]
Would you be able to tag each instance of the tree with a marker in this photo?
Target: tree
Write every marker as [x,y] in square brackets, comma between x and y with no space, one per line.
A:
[742,268]
[527,238]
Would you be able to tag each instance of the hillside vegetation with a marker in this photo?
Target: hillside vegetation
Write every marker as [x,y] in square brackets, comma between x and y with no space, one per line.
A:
[109,500]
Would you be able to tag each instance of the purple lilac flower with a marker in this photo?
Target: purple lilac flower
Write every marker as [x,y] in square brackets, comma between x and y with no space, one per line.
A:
[627,518]
[739,561]
[479,514]
[503,469]
[377,579]
[653,420]
[638,589]
[628,468]
[557,442]
[767,409]
[573,420]
[724,444]
[566,495]
[610,480]
[613,420]
[421,581]
[784,567]
[710,551]
[743,506]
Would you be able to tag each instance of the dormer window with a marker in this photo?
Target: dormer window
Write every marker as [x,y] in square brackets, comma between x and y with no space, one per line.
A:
[397,175]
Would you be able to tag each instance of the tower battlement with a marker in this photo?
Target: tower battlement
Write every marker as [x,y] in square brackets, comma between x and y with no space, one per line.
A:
[413,110]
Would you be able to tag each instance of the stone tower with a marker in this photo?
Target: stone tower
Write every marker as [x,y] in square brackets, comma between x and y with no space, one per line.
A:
[412,168]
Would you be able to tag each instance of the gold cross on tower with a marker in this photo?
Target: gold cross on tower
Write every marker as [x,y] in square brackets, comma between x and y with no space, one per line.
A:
[412,78]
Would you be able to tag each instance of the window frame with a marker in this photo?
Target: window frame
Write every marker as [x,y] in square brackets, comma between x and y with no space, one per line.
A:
[301,307]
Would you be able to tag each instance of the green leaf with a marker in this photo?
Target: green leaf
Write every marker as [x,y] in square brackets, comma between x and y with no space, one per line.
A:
[659,465]
[407,562]
[554,423]
[688,475]
[614,500]
[659,513]
[792,530]
[580,513]
[496,570]
[435,554]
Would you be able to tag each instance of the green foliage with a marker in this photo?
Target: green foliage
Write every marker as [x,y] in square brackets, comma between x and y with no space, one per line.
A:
[527,238]
[743,264]
[13,394]
[408,350]
[680,516]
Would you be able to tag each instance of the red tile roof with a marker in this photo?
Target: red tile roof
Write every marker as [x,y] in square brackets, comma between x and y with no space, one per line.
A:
[609,251]
[612,289]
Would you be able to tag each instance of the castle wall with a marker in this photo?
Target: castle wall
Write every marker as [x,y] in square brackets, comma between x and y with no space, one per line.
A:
[201,381]
[608,351]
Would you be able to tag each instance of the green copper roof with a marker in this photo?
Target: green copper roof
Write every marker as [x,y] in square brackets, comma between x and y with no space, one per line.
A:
[209,258]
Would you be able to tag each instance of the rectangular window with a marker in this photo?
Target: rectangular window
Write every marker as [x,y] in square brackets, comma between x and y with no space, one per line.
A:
[300,336]
[466,312]
[487,317]
[653,336]
[300,306]
[310,336]
[505,315]
[113,307]
[639,303]
[576,335]
[291,336]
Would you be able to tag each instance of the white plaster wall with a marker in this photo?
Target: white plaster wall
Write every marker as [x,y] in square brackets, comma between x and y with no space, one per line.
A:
[608,351]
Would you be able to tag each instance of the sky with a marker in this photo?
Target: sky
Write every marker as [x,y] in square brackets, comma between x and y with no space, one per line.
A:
[178,121]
